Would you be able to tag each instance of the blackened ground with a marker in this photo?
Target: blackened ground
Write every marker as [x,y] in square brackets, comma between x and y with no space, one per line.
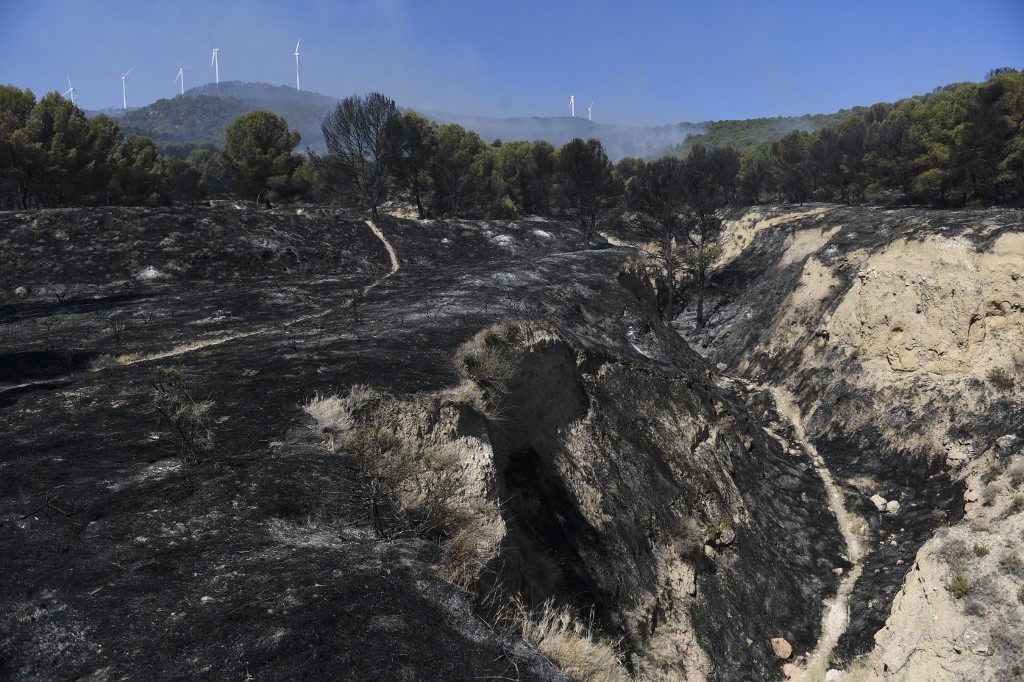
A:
[118,563]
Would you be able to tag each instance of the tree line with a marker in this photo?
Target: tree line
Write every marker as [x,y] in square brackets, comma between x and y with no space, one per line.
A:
[960,145]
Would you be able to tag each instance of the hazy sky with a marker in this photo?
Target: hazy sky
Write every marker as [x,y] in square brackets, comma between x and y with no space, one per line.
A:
[643,62]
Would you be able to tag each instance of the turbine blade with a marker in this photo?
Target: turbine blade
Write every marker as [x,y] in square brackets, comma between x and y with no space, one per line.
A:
[127,72]
[213,57]
[297,45]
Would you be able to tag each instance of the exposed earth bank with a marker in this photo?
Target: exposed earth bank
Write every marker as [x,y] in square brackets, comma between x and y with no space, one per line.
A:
[899,335]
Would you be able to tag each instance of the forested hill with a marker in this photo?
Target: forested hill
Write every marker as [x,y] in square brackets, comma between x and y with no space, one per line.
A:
[753,132]
[203,113]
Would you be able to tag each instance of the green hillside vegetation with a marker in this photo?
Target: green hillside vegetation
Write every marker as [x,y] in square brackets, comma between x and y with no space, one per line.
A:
[749,133]
[202,114]
[960,145]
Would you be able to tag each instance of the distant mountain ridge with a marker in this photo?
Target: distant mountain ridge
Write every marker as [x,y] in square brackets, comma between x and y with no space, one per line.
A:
[203,113]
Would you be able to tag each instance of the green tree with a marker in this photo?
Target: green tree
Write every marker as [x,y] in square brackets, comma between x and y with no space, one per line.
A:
[411,140]
[702,181]
[453,170]
[214,169]
[584,177]
[792,153]
[53,148]
[140,175]
[658,196]
[260,146]
[16,153]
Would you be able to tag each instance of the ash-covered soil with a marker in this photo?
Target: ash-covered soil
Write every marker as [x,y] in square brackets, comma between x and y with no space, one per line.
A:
[261,560]
[266,559]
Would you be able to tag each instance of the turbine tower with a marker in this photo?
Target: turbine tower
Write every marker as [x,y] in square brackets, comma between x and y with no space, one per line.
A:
[181,77]
[572,105]
[589,118]
[124,88]
[214,61]
[71,90]
[297,66]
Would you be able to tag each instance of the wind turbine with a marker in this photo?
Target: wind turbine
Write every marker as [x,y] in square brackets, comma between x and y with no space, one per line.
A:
[124,88]
[589,118]
[572,105]
[181,76]
[297,66]
[71,89]
[214,62]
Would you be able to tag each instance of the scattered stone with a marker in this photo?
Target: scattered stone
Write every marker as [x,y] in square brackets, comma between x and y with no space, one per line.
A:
[21,292]
[782,648]
[878,501]
[833,675]
[892,506]
[1006,442]
[790,671]
[726,537]
[838,570]
[150,273]
[721,367]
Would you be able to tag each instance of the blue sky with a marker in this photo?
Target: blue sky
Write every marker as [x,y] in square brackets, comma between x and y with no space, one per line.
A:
[643,62]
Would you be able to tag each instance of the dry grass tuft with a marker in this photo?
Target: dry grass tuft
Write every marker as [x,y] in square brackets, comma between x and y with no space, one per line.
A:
[488,360]
[190,419]
[584,656]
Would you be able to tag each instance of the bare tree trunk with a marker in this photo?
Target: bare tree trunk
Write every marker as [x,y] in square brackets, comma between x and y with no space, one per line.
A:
[701,274]
[670,269]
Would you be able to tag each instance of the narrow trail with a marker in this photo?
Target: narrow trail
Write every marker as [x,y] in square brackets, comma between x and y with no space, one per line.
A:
[391,254]
[836,616]
[192,346]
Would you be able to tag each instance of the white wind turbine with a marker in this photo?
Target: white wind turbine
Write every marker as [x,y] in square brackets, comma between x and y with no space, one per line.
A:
[214,61]
[124,88]
[181,77]
[297,66]
[71,90]
[589,118]
[572,105]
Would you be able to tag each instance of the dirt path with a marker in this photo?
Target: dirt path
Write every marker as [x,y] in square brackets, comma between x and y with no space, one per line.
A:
[391,254]
[836,616]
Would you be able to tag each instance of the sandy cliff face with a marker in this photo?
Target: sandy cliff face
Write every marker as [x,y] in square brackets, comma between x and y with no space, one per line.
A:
[900,334]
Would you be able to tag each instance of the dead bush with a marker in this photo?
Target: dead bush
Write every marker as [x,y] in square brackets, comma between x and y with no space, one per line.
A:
[422,477]
[1016,472]
[489,361]
[1001,379]
[955,552]
[176,403]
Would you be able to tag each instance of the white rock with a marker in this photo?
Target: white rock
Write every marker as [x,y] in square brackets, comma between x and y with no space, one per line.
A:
[21,292]
[892,506]
[833,675]
[879,502]
[722,367]
[1006,442]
